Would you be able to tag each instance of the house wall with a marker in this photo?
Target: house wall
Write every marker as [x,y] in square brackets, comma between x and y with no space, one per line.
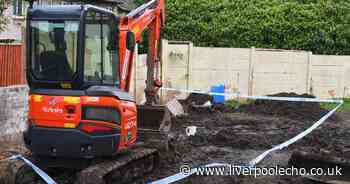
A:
[13,28]
[16,23]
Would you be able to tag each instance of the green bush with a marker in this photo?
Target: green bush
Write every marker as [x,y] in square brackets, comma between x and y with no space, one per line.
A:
[320,26]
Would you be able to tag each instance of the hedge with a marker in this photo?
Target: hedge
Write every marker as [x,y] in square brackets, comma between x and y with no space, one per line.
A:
[320,26]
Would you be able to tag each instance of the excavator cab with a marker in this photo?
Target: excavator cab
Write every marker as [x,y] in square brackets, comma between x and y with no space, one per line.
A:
[79,105]
[72,47]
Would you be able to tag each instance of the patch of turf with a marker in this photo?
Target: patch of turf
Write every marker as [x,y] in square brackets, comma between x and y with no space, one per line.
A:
[344,107]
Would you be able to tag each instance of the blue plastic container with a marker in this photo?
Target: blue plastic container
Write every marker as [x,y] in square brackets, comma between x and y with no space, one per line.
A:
[218,89]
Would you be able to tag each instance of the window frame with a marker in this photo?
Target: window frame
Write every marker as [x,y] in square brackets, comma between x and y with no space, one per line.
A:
[32,50]
[18,7]
[76,13]
[115,57]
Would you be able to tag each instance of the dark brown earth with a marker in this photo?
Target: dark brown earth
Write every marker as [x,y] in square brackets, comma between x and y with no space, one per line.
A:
[293,110]
[236,136]
[198,99]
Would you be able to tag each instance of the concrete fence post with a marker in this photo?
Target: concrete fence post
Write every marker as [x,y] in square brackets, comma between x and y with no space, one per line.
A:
[309,87]
[190,66]
[344,77]
[251,71]
[134,70]
[164,66]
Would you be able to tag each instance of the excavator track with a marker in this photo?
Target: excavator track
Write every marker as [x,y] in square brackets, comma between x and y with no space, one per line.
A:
[20,173]
[128,167]
[124,168]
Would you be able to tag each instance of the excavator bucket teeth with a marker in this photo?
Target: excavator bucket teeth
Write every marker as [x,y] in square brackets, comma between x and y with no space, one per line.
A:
[154,124]
[335,170]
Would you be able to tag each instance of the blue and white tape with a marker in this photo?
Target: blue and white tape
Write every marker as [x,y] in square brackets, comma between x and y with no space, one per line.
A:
[40,172]
[255,161]
[239,95]
[296,138]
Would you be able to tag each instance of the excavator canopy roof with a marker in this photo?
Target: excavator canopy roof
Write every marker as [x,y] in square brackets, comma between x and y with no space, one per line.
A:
[62,12]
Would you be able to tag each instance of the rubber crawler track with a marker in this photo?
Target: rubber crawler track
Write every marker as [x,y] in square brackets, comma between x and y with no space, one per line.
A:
[128,167]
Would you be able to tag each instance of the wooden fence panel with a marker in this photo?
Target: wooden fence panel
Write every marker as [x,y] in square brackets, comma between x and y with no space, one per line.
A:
[11,65]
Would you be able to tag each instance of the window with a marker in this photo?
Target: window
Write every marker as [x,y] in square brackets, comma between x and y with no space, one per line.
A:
[100,56]
[54,49]
[18,7]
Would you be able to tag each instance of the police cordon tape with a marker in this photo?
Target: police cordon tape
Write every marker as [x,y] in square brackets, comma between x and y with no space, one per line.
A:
[296,138]
[239,95]
[40,172]
[179,176]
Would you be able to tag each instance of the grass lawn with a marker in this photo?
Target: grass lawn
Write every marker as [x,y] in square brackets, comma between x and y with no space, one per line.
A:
[235,103]
[344,107]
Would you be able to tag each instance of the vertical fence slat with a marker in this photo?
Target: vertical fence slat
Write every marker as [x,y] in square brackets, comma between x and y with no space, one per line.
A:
[18,68]
[7,61]
[2,64]
[19,64]
[5,65]
[14,67]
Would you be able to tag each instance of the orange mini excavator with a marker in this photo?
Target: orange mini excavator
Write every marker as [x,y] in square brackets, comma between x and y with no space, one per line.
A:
[79,62]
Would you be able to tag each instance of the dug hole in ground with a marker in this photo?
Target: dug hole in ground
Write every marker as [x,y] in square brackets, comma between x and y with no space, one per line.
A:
[237,135]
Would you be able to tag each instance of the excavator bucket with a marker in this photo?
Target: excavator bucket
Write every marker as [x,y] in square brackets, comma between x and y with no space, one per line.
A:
[329,165]
[154,124]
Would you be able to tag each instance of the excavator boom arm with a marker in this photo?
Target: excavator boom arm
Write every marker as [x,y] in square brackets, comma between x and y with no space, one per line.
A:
[150,15]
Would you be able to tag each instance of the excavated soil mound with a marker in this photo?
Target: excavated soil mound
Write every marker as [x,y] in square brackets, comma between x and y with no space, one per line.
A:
[306,111]
[292,110]
[198,99]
